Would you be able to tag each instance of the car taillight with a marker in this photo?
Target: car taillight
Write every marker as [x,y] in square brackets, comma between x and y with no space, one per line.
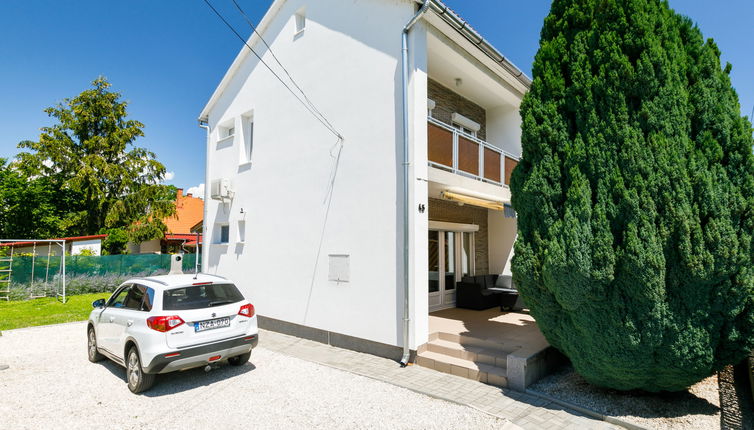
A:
[247,310]
[164,324]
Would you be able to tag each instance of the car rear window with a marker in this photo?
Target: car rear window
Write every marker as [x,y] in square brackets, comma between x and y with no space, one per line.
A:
[200,296]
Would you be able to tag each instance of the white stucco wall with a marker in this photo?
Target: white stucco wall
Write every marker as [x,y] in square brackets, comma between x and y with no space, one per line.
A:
[501,236]
[418,185]
[504,128]
[153,246]
[41,249]
[95,245]
[301,203]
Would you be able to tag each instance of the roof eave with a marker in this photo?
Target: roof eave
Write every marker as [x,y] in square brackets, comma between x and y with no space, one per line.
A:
[467,31]
[240,57]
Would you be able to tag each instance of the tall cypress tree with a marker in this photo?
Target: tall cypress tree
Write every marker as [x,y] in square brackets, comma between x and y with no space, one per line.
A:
[635,197]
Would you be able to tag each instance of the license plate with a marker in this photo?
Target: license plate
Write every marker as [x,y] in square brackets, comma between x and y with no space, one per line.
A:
[211,324]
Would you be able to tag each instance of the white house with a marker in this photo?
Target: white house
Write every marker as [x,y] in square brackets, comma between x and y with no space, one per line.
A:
[330,238]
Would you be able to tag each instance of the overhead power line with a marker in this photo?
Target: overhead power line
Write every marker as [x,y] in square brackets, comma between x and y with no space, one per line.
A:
[269,48]
[307,104]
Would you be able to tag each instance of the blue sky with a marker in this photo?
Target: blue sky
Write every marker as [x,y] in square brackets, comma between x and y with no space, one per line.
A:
[167,56]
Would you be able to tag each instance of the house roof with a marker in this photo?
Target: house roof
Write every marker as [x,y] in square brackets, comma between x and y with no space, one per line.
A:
[438,7]
[67,239]
[188,239]
[182,237]
[189,211]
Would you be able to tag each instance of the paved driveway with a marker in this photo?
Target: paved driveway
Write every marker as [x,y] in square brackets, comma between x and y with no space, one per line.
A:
[50,383]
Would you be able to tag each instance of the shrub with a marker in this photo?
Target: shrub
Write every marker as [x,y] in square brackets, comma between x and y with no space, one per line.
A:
[78,284]
[635,197]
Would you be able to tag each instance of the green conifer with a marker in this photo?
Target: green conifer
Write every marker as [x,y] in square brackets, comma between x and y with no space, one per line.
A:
[635,197]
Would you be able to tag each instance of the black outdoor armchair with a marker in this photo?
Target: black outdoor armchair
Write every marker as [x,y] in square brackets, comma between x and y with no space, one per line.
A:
[486,291]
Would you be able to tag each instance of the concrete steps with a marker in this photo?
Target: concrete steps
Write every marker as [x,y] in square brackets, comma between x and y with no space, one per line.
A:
[472,358]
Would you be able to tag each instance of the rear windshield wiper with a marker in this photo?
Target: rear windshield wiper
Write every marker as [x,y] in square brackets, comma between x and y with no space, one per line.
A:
[221,302]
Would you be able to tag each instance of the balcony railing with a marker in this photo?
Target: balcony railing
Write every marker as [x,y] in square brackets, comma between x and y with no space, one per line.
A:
[461,153]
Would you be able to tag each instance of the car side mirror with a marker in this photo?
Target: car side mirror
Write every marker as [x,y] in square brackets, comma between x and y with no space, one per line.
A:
[98,303]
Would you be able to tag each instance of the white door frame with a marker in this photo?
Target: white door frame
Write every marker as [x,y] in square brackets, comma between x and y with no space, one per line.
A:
[447,298]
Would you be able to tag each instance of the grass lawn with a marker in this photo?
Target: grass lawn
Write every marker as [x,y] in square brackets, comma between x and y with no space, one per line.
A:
[28,313]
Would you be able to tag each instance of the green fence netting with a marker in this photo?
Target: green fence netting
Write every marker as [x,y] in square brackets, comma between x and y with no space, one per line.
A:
[84,274]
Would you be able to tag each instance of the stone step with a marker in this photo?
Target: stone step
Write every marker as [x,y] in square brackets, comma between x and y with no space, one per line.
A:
[481,372]
[468,341]
[476,354]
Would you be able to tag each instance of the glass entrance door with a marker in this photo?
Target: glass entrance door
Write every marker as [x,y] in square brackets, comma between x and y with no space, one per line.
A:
[451,258]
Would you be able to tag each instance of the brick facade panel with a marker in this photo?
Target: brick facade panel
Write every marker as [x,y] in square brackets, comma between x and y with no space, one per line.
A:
[441,210]
[447,102]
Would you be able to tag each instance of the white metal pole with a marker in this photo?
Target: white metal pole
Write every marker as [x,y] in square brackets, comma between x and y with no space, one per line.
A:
[63,254]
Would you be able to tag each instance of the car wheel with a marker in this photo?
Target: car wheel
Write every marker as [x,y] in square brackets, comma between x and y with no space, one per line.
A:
[94,355]
[138,381]
[240,360]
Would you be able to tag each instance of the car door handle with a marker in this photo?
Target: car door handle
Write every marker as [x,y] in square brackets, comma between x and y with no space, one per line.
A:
[112,319]
[129,323]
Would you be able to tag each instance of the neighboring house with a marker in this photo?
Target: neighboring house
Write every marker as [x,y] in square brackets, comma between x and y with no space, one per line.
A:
[313,230]
[189,211]
[73,246]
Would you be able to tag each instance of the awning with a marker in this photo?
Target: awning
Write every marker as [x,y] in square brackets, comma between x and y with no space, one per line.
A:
[474,201]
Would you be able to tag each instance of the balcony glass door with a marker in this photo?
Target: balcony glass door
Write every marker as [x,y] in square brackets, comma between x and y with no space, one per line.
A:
[450,258]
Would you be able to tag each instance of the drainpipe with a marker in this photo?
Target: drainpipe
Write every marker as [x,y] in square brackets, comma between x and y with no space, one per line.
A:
[205,250]
[406,201]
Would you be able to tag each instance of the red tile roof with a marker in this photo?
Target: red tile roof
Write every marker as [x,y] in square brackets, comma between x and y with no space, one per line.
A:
[189,211]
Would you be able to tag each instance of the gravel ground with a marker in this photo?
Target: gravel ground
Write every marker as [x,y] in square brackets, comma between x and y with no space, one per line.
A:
[50,382]
[696,408]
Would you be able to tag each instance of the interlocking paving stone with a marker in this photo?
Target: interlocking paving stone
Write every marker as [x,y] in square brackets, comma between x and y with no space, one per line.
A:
[521,409]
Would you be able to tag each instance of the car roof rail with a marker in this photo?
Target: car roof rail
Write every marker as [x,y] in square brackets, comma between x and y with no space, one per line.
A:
[213,275]
[152,280]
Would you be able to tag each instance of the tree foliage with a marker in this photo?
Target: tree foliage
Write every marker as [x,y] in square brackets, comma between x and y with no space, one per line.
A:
[90,152]
[30,207]
[635,197]
[116,241]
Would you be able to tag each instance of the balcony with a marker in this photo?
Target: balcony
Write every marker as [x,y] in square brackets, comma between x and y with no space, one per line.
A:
[461,153]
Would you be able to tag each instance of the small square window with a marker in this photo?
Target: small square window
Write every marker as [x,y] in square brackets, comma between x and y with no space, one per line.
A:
[300,22]
[224,234]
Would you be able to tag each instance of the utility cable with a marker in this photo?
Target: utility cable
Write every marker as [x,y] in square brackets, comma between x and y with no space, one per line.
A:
[321,120]
[254,29]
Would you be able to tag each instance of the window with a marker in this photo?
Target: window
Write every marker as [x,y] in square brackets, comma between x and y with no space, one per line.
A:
[118,300]
[135,298]
[225,133]
[465,130]
[248,139]
[224,233]
[200,296]
[148,300]
[300,22]
[241,231]
[464,124]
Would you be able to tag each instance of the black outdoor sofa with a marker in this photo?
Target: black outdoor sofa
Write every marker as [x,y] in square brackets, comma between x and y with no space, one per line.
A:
[486,291]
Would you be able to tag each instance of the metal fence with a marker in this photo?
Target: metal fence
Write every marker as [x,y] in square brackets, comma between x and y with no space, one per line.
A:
[40,275]
[25,270]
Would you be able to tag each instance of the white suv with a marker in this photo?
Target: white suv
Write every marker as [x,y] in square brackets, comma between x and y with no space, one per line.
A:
[166,323]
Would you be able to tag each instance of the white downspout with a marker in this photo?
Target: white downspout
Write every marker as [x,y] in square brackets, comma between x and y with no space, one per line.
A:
[406,201]
[205,249]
